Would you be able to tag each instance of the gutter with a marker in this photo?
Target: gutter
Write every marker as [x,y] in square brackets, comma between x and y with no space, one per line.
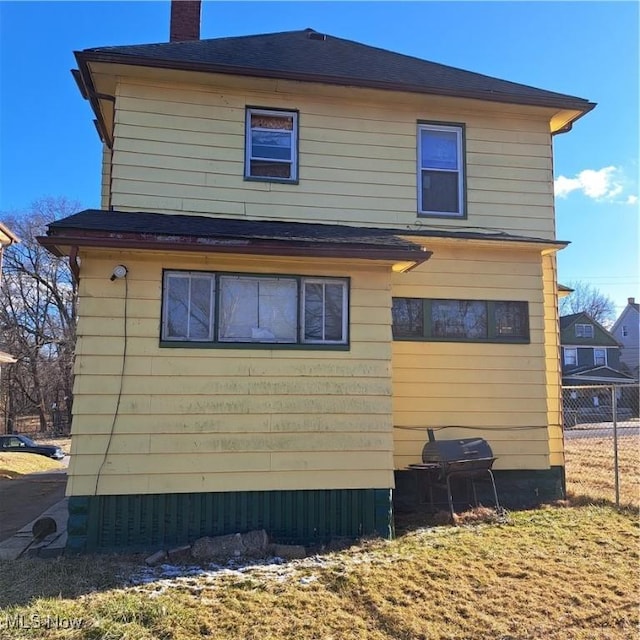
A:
[13,238]
[411,256]
[82,76]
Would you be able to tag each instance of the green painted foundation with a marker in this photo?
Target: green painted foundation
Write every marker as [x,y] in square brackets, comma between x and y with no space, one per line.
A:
[150,522]
[522,489]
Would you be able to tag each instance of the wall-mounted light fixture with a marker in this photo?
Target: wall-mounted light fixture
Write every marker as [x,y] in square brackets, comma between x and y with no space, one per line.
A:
[119,272]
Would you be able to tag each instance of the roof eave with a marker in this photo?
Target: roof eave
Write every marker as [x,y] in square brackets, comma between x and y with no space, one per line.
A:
[11,238]
[85,57]
[544,245]
[408,258]
[87,89]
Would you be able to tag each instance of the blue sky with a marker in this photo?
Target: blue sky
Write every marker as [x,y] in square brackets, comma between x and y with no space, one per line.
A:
[49,147]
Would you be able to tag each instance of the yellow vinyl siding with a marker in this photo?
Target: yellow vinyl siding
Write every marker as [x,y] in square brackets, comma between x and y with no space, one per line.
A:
[105,190]
[552,360]
[180,149]
[135,481]
[495,391]
[225,419]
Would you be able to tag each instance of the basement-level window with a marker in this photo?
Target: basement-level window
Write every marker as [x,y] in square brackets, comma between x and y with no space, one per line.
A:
[460,320]
[271,145]
[226,309]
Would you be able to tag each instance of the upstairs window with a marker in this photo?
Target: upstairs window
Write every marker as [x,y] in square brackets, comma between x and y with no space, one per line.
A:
[271,143]
[441,182]
[584,331]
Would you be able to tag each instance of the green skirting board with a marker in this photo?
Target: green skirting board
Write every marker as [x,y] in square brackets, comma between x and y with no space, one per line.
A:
[149,522]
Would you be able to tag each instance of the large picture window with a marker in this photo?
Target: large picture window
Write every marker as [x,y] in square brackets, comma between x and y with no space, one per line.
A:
[271,145]
[441,183]
[223,308]
[460,320]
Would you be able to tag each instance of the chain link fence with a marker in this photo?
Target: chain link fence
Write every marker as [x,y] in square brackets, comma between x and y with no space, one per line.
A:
[602,443]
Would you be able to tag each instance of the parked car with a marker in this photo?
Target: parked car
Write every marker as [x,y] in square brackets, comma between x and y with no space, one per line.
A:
[23,444]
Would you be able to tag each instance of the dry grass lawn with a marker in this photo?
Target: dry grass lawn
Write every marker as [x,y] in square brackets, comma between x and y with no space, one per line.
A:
[590,469]
[15,464]
[554,574]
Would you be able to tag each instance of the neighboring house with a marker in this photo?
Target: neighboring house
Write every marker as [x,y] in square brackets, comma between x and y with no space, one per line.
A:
[7,238]
[590,354]
[591,373]
[309,251]
[626,330]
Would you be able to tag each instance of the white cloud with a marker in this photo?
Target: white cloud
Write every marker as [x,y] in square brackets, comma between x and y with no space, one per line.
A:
[601,184]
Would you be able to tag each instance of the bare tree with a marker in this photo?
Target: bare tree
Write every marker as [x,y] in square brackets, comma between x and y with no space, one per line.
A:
[38,319]
[587,299]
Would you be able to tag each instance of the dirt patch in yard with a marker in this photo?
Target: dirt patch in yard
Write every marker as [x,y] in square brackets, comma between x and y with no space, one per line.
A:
[24,498]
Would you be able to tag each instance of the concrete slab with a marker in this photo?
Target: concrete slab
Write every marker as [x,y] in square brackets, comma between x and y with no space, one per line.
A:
[23,543]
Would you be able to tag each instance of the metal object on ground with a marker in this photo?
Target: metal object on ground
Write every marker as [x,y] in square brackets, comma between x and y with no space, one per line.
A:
[467,458]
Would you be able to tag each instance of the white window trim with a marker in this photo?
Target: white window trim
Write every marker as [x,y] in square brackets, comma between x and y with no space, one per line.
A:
[566,350]
[248,144]
[606,356]
[345,309]
[581,333]
[459,131]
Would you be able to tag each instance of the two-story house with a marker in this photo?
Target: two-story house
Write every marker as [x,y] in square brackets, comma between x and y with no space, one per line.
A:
[590,353]
[309,250]
[626,330]
[592,372]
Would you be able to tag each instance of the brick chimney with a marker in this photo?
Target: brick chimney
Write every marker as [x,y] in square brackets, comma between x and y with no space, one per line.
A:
[631,300]
[185,20]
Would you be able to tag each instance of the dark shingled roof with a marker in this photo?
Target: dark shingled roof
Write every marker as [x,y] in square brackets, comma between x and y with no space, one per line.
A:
[213,227]
[310,56]
[189,226]
[566,321]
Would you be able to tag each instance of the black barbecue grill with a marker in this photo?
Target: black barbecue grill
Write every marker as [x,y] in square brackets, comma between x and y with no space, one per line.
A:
[467,458]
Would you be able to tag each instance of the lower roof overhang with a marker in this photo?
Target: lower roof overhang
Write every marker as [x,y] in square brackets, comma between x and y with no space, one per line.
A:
[164,232]
[600,375]
[481,238]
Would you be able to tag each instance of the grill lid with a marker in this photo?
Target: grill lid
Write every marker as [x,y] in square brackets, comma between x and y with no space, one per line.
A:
[443,451]
[446,451]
